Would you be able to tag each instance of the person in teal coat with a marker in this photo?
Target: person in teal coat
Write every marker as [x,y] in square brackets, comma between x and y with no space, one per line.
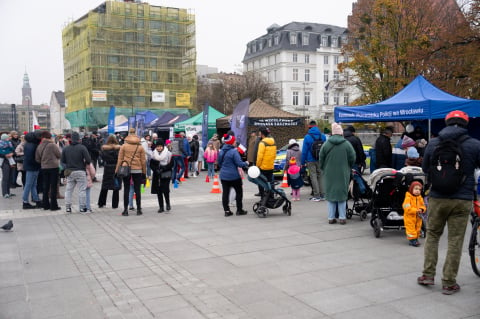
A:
[337,158]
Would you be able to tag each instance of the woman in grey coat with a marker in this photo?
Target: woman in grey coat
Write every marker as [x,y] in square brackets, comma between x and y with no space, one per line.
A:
[337,157]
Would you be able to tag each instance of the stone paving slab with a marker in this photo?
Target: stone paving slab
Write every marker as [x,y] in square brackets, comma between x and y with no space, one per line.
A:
[195,263]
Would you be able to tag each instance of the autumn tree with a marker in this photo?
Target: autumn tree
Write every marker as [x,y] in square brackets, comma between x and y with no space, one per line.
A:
[229,89]
[393,41]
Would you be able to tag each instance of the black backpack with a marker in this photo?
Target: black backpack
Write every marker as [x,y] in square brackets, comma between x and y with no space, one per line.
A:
[446,167]
[316,146]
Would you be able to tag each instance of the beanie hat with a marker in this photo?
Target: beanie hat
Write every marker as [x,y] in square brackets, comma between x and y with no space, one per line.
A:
[229,139]
[292,161]
[292,141]
[350,128]
[337,129]
[312,123]
[4,137]
[413,184]
[159,142]
[75,137]
[407,142]
[412,153]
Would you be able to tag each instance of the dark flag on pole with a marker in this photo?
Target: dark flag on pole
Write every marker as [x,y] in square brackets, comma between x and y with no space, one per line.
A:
[111,120]
[239,121]
[205,125]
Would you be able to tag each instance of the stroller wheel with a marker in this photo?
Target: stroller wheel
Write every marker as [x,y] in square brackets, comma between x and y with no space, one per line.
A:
[377,228]
[255,207]
[285,209]
[363,215]
[261,212]
[349,213]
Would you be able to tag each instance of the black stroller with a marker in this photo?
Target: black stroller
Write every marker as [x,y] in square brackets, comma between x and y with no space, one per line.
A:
[272,198]
[360,193]
[390,187]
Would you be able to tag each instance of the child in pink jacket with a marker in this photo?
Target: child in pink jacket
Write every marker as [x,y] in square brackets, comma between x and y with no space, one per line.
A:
[90,176]
[210,155]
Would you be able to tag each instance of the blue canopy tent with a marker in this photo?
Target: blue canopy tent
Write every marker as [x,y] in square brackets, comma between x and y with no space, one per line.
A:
[419,100]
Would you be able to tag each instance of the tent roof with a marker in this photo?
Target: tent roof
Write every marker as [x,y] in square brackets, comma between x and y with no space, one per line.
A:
[260,109]
[417,101]
[213,115]
[149,116]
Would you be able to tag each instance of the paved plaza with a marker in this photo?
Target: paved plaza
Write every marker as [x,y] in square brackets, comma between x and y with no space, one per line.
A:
[195,263]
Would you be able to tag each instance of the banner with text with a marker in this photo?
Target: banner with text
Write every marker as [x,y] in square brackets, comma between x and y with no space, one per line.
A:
[275,122]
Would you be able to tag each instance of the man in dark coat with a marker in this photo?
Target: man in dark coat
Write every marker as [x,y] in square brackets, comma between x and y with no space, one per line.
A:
[360,157]
[383,148]
[32,169]
[194,149]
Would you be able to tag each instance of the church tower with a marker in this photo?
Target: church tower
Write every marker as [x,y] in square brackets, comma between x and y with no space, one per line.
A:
[26,90]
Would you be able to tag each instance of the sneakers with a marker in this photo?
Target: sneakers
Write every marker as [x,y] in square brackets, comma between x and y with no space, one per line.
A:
[450,290]
[28,206]
[68,210]
[413,242]
[131,208]
[83,211]
[317,199]
[6,196]
[425,280]
[241,212]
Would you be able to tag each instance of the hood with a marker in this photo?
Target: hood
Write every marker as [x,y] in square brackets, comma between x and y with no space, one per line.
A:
[315,131]
[31,138]
[336,139]
[132,139]
[347,133]
[452,132]
[294,147]
[269,141]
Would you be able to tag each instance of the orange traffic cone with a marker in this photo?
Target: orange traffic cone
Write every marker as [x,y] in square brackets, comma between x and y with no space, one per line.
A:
[207,179]
[216,186]
[285,180]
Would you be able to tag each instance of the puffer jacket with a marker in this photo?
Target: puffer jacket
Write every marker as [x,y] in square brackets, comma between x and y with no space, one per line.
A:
[136,159]
[471,158]
[229,160]
[267,151]
[313,134]
[109,153]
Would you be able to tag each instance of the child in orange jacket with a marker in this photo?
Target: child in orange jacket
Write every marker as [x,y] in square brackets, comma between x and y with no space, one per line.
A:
[413,206]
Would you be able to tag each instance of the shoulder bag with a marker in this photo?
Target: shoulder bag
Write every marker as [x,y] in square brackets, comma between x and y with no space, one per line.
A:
[125,170]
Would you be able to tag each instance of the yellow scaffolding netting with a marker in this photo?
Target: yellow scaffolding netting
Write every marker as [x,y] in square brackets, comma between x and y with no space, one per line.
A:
[131,55]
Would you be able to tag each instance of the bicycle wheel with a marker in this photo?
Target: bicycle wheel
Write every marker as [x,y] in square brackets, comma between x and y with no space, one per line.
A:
[474,247]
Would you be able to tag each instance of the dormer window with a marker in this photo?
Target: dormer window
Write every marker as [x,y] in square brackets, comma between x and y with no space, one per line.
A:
[260,46]
[276,39]
[334,42]
[269,42]
[305,38]
[324,41]
[293,38]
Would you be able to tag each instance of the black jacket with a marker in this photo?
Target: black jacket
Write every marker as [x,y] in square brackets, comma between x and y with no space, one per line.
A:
[109,155]
[75,157]
[383,150]
[29,162]
[360,156]
[471,158]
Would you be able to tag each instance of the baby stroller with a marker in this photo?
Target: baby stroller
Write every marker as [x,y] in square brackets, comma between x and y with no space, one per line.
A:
[390,187]
[272,197]
[360,192]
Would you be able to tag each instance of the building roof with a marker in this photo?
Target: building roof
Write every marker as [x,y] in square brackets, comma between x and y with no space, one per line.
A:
[314,30]
[60,97]
[260,109]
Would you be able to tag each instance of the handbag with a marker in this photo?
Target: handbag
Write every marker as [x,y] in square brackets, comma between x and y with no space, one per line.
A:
[125,170]
[166,174]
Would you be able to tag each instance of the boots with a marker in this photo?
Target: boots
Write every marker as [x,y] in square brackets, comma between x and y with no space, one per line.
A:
[125,212]
[139,211]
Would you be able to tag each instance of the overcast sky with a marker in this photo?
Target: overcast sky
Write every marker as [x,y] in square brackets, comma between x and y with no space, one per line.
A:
[31,34]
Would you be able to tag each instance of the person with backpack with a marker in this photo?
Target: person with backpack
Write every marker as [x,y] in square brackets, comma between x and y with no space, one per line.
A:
[178,152]
[450,161]
[312,143]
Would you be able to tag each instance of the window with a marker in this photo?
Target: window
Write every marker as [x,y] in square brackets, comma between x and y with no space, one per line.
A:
[274,75]
[155,25]
[269,42]
[325,59]
[325,77]
[141,75]
[276,39]
[153,62]
[346,98]
[294,57]
[293,38]
[140,24]
[307,75]
[129,60]
[113,59]
[113,75]
[155,40]
[154,76]
[295,74]
[141,61]
[305,38]
[295,98]
[336,98]
[306,98]
[334,42]
[325,98]
[307,58]
[336,59]
[336,75]
[260,46]
[324,42]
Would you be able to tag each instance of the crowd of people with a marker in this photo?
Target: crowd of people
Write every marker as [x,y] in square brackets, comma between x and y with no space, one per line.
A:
[46,162]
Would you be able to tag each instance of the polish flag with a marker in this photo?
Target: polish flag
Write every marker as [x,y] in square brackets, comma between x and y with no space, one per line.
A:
[35,121]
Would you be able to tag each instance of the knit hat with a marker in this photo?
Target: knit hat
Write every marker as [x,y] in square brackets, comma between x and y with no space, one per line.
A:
[337,129]
[229,139]
[407,142]
[159,142]
[4,137]
[413,184]
[292,161]
[292,141]
[350,128]
[312,123]
[75,137]
[412,153]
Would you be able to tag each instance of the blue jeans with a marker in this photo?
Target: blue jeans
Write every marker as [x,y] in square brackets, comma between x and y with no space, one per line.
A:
[130,196]
[332,209]
[31,186]
[211,169]
[87,198]
[178,161]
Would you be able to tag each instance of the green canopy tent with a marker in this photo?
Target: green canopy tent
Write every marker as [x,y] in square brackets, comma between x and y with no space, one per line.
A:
[195,122]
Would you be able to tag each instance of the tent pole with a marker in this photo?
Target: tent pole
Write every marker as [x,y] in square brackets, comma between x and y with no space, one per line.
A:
[429,129]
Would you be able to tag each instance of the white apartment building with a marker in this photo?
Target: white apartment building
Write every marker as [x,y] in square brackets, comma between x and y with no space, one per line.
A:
[301,59]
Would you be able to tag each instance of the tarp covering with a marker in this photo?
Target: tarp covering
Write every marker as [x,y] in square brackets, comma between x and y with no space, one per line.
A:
[419,100]
[213,115]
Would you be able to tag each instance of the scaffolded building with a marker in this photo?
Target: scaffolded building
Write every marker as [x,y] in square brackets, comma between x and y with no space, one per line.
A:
[132,55]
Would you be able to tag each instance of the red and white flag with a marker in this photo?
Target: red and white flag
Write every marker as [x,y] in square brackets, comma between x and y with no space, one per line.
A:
[35,121]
